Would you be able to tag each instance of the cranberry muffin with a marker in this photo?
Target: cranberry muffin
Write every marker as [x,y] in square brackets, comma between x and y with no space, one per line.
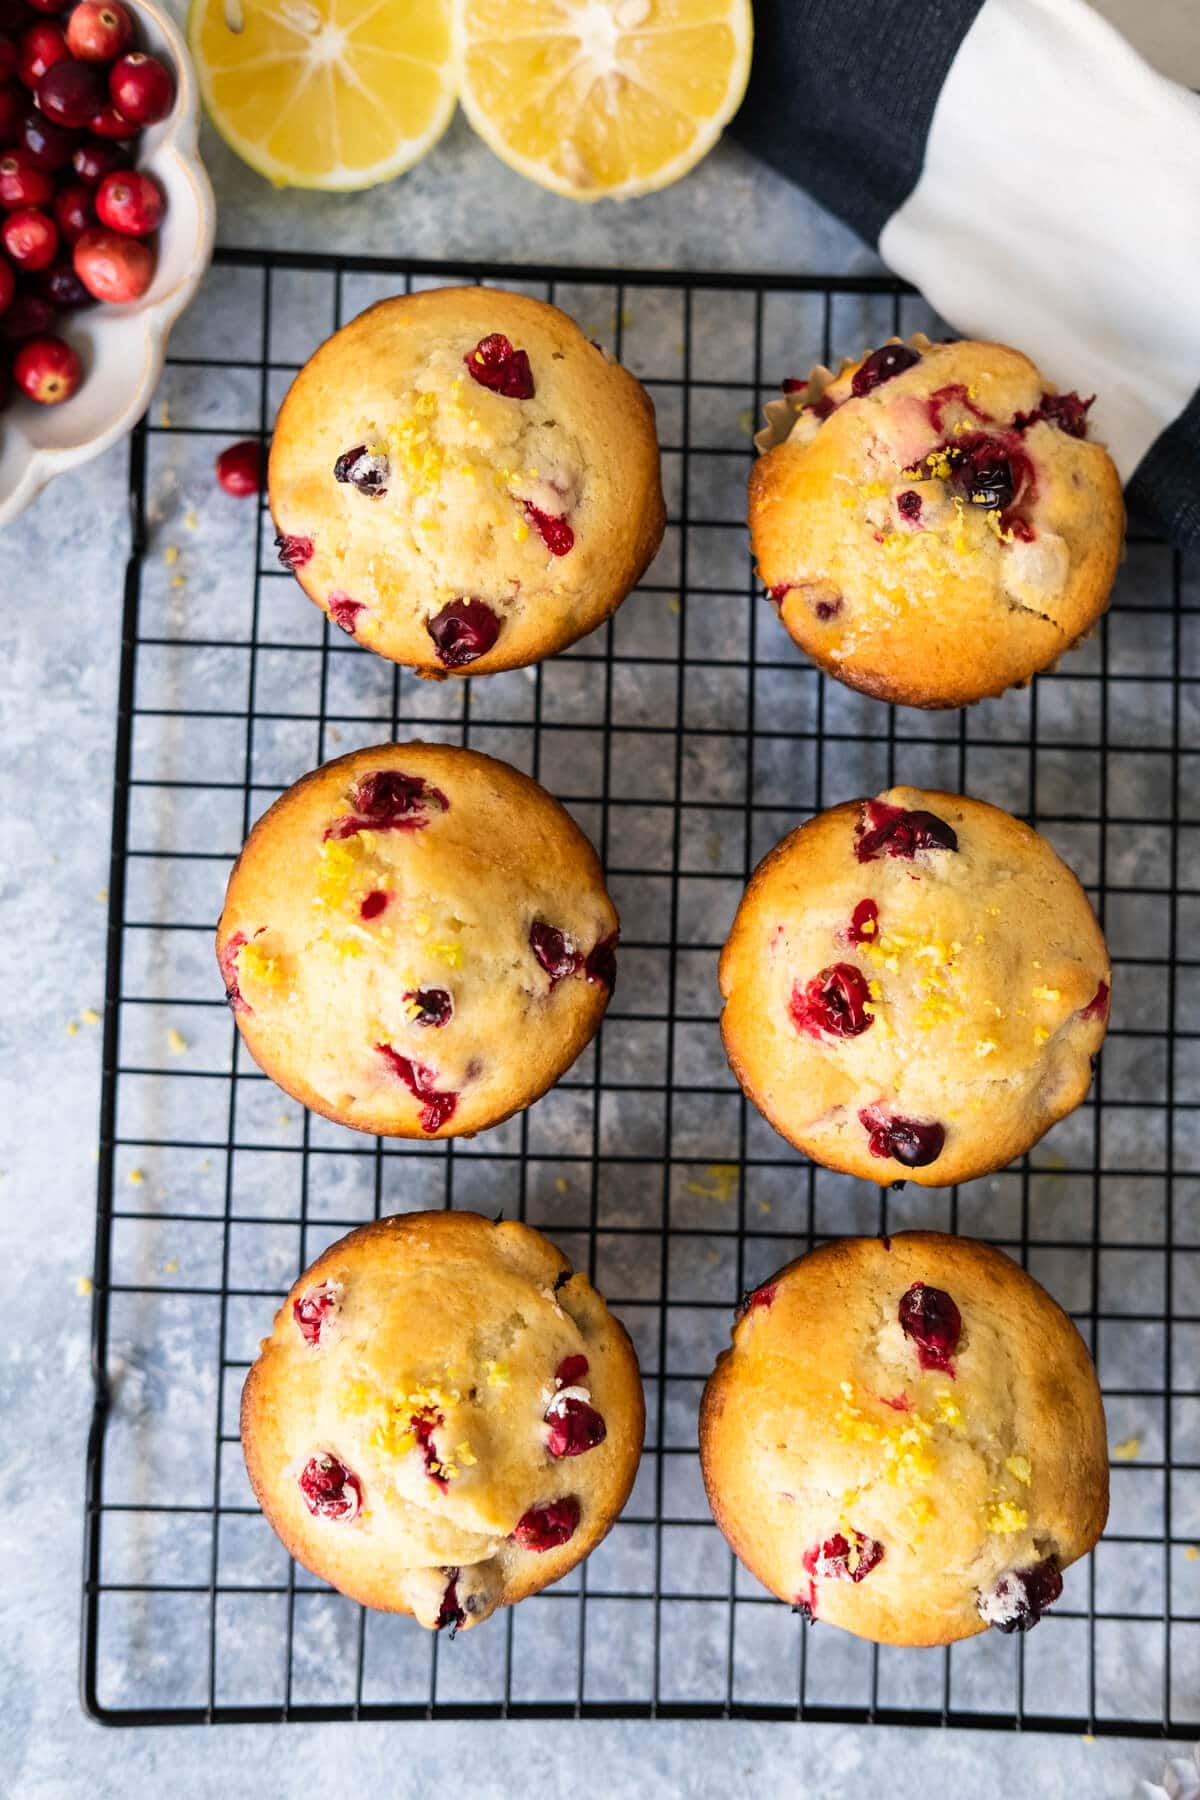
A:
[915,987]
[934,522]
[906,1439]
[464,482]
[445,1418]
[417,941]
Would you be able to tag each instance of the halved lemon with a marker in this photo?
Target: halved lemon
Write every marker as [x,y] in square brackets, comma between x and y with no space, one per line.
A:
[325,93]
[602,98]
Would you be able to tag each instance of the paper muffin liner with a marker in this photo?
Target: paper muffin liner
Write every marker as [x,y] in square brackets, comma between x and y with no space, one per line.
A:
[784,414]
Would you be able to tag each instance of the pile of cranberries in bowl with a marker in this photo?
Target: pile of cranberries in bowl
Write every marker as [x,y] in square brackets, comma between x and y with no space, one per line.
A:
[76,215]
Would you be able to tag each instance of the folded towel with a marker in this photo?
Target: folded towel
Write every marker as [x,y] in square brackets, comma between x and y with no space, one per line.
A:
[1018,162]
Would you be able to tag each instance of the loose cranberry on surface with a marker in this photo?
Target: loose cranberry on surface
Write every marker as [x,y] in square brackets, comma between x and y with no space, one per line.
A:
[833,1004]
[1097,1006]
[73,212]
[881,366]
[130,201]
[42,46]
[51,146]
[30,239]
[95,158]
[22,183]
[111,125]
[435,1007]
[99,32]
[437,1109]
[890,831]
[70,93]
[463,631]
[239,467]
[842,1558]
[344,612]
[27,315]
[494,364]
[545,1528]
[141,88]
[554,950]
[330,1490]
[363,469]
[571,1371]
[931,1319]
[1020,1597]
[62,287]
[572,1427]
[554,532]
[293,552]
[864,923]
[315,1311]
[913,1142]
[112,267]
[8,285]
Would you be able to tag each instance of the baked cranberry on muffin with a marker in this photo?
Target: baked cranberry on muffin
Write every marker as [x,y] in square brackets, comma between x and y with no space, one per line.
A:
[417,941]
[464,482]
[907,1439]
[935,522]
[445,1418]
[915,987]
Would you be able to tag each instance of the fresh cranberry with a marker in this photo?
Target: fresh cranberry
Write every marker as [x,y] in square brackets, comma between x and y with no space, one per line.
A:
[450,1612]
[344,612]
[573,1427]
[494,364]
[13,101]
[293,552]
[554,950]
[1097,1006]
[70,93]
[315,1310]
[50,146]
[112,267]
[555,533]
[436,1006]
[890,831]
[40,49]
[864,923]
[571,1371]
[763,1296]
[27,315]
[389,800]
[463,631]
[601,965]
[931,1319]
[546,1527]
[1067,411]
[229,973]
[882,365]
[908,505]
[99,32]
[63,288]
[239,466]
[132,202]
[73,212]
[330,1490]
[30,239]
[1019,1599]
[22,183]
[112,126]
[436,1109]
[366,471]
[842,1558]
[8,285]
[955,393]
[95,158]
[141,88]
[833,1004]
[913,1142]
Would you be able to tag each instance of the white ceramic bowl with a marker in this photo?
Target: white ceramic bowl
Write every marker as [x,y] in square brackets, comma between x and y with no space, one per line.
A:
[123,346]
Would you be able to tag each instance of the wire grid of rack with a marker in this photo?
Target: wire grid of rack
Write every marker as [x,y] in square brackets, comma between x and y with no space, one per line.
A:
[687,736]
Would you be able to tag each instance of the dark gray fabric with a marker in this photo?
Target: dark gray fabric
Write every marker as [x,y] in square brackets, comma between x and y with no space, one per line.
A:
[1164,490]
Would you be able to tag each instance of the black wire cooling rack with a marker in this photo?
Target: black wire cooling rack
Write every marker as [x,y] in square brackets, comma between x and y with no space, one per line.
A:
[687,736]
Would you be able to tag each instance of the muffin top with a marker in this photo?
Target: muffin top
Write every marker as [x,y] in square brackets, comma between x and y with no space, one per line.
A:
[936,525]
[915,986]
[417,940]
[464,482]
[907,1439]
[444,1418]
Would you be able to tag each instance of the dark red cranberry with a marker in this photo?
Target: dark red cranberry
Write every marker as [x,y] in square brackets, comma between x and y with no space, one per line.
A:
[1023,1595]
[12,110]
[882,365]
[450,1612]
[70,93]
[436,1006]
[313,1310]
[113,268]
[8,285]
[833,1004]
[931,1319]
[792,384]
[330,1490]
[22,183]
[389,800]
[806,1605]
[30,239]
[827,609]
[423,1424]
[44,6]
[40,49]
[842,1558]
[571,1371]
[601,964]
[229,973]
[130,201]
[494,364]
[546,1527]
[463,631]
[373,904]
[63,288]
[995,471]
[436,1109]
[763,1296]
[913,1142]
[780,591]
[555,533]
[573,1427]
[47,370]
[111,125]
[73,212]
[554,950]
[1067,411]
[953,394]
[27,315]
[51,146]
[890,831]
[99,33]
[364,470]
[141,88]
[239,466]
[15,16]
[344,612]
[8,58]
[1097,1006]
[908,505]
[294,552]
[94,159]
[864,923]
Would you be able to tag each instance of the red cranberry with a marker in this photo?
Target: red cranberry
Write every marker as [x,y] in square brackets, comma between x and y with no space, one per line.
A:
[373,904]
[890,831]
[436,1006]
[1067,411]
[229,973]
[69,93]
[95,158]
[864,923]
[132,202]
[601,965]
[294,552]
[463,631]
[8,285]
[842,1558]
[931,1319]
[389,800]
[50,146]
[571,1371]
[780,591]
[1019,1598]
[330,1490]
[995,471]
[881,366]
[908,505]
[22,183]
[112,267]
[141,88]
[1097,1006]
[27,315]
[344,612]
[555,533]
[364,470]
[30,239]
[913,1142]
[423,1424]
[99,32]
[239,466]
[112,126]
[63,288]
[833,1004]
[450,1612]
[755,1297]
[554,950]
[12,111]
[40,48]
[573,1427]
[314,1311]
[954,393]
[546,1527]
[73,212]
[437,1109]
[494,364]
[827,609]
